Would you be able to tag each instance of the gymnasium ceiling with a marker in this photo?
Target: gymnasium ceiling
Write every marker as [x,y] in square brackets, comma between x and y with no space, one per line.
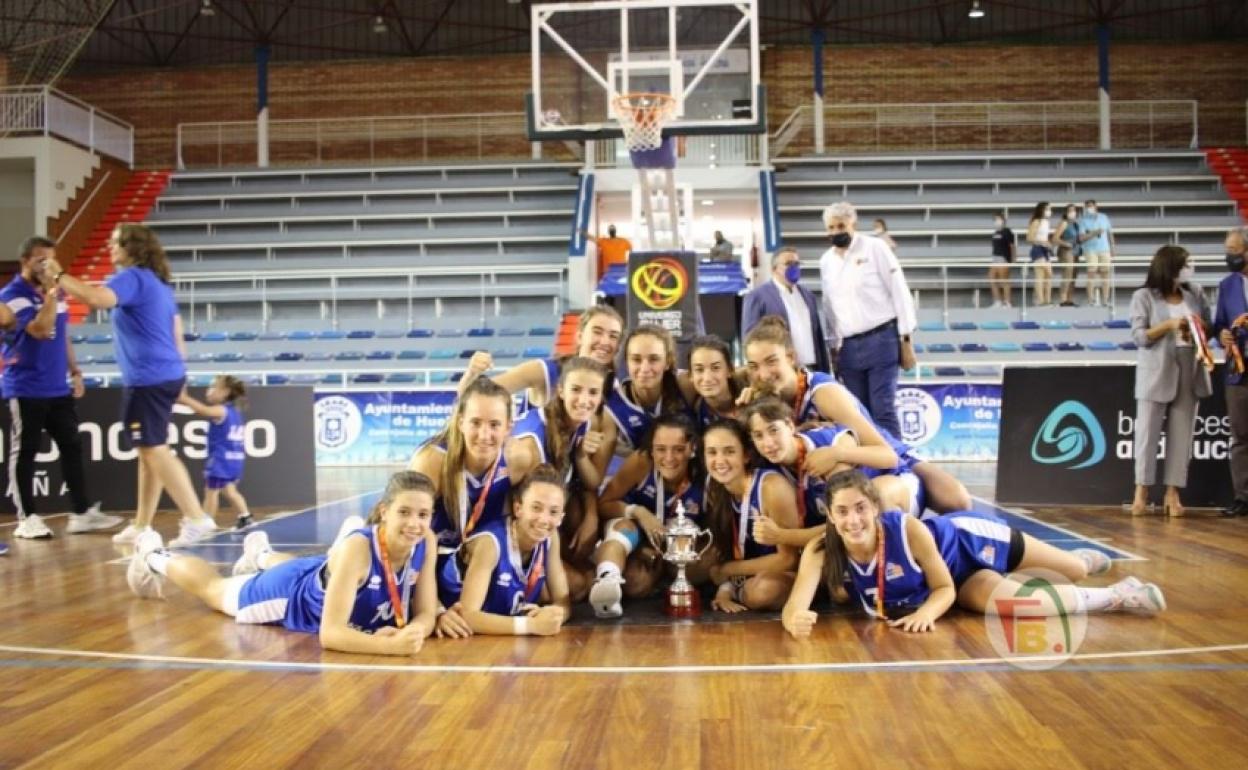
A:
[186,33]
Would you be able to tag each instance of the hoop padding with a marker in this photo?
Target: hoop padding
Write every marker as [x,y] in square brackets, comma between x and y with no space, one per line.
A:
[641,117]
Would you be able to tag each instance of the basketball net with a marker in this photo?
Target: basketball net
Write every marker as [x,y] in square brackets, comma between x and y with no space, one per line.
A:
[641,117]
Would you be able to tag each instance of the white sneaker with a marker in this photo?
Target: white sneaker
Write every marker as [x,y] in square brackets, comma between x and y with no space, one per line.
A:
[192,531]
[349,525]
[145,582]
[254,545]
[605,596]
[997,305]
[1098,562]
[91,521]
[1139,598]
[32,528]
[129,534]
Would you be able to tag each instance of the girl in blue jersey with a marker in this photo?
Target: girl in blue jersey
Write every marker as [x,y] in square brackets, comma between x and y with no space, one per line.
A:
[223,469]
[375,592]
[818,397]
[514,581]
[637,504]
[150,353]
[910,572]
[652,388]
[569,434]
[713,378]
[806,457]
[597,337]
[739,490]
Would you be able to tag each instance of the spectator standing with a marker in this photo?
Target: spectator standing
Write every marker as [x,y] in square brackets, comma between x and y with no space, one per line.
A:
[1004,251]
[1097,235]
[870,314]
[721,250]
[1230,323]
[612,250]
[784,296]
[879,228]
[1039,235]
[1069,249]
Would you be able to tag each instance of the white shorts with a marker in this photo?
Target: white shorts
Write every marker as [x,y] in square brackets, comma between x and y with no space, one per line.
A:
[1096,258]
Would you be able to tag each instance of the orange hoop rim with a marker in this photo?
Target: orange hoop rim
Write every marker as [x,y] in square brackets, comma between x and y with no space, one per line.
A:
[627,106]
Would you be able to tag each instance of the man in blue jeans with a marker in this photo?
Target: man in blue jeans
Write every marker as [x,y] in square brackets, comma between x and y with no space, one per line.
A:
[869,313]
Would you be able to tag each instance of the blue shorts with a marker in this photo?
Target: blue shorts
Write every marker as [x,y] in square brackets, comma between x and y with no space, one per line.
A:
[264,595]
[218,482]
[146,411]
[1040,253]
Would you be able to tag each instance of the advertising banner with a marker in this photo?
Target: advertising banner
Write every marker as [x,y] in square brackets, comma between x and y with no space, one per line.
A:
[954,422]
[377,427]
[663,290]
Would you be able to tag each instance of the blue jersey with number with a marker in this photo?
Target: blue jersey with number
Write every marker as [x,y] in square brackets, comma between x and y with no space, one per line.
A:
[749,507]
[533,425]
[633,420]
[646,494]
[226,440]
[450,531]
[550,370]
[308,577]
[815,488]
[512,584]
[905,585]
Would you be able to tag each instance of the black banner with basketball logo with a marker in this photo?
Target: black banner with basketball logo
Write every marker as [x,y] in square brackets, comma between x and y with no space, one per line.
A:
[280,469]
[663,290]
[1068,438]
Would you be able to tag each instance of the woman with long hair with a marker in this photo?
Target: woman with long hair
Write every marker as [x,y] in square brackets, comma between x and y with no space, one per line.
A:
[651,388]
[1169,323]
[374,592]
[714,380]
[910,572]
[636,505]
[1039,235]
[740,490]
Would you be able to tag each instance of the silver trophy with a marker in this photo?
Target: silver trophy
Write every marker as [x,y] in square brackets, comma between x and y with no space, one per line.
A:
[680,547]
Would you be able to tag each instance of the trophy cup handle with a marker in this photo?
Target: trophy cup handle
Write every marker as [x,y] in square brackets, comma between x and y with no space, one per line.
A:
[710,539]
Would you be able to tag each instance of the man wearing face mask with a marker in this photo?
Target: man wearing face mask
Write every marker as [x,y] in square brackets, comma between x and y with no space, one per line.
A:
[1096,234]
[785,297]
[870,314]
[1229,322]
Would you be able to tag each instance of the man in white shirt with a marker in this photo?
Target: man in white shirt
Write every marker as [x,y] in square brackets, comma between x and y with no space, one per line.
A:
[785,297]
[869,312]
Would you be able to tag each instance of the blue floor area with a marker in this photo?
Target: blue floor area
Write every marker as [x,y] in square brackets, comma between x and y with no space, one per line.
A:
[313,529]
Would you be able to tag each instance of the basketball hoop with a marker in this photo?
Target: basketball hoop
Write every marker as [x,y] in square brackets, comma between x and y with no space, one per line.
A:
[642,116]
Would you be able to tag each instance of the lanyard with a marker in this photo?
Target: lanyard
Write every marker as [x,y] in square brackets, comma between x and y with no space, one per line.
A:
[802,477]
[663,505]
[879,571]
[400,611]
[740,529]
[799,394]
[478,508]
[537,565]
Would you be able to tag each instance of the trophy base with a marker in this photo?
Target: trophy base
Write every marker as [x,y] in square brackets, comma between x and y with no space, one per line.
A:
[683,604]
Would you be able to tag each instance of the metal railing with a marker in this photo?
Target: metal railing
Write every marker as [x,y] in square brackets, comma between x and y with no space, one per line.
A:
[335,378]
[698,151]
[44,110]
[1000,125]
[312,141]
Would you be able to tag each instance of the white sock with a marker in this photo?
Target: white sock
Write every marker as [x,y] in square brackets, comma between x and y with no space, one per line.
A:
[158,561]
[1098,599]
[608,568]
[263,559]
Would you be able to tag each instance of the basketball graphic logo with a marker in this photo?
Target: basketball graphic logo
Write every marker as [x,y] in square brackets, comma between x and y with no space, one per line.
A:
[660,283]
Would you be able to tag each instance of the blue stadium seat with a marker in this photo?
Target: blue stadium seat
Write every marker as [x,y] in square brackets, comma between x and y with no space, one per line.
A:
[254,378]
[349,355]
[390,334]
[505,353]
[1005,347]
[412,355]
[278,379]
[361,334]
[420,334]
[1037,347]
[963,326]
[107,359]
[289,355]
[1069,346]
[258,356]
[481,332]
[99,339]
[1128,345]
[542,331]
[331,379]
[941,347]
[994,326]
[301,335]
[536,352]
[190,337]
[272,335]
[450,333]
[304,378]
[443,354]
[1102,345]
[78,339]
[469,353]
[918,347]
[511,331]
[932,326]
[198,358]
[243,336]
[950,371]
[367,378]
[331,334]
[214,337]
[1118,323]
[440,377]
[93,382]
[401,377]
[973,347]
[199,380]
[318,355]
[228,358]
[983,371]
[1057,324]
[379,355]
[457,376]
[1025,325]
[1087,324]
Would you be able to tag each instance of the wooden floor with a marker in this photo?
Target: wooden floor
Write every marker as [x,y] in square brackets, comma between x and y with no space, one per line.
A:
[92,677]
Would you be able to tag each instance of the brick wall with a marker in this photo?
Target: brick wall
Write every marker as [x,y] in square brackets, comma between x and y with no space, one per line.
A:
[157,100]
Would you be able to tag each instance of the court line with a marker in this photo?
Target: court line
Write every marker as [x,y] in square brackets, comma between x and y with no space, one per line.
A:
[970,664]
[1012,512]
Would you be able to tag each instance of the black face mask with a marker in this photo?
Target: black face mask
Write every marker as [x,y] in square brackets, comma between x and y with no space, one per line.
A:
[842,240]
[1235,262]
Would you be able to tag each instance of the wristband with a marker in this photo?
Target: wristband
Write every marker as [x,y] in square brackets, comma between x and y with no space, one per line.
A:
[520,625]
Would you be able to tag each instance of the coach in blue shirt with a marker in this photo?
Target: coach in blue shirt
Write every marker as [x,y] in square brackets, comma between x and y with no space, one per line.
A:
[1229,324]
[148,341]
[38,357]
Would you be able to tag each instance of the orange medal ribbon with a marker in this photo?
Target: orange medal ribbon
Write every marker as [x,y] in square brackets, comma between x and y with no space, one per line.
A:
[879,571]
[400,612]
[479,507]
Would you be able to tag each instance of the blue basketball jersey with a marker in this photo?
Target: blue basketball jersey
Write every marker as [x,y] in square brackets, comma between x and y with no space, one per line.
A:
[807,411]
[651,494]
[634,420]
[450,531]
[305,580]
[550,369]
[512,585]
[226,451]
[815,488]
[905,585]
[749,507]
[704,415]
[533,425]
[970,541]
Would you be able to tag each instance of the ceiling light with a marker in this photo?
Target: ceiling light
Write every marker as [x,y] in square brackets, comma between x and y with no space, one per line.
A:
[708,202]
[379,25]
[976,12]
[206,9]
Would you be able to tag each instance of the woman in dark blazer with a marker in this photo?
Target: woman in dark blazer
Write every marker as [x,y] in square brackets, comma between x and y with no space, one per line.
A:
[1169,379]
